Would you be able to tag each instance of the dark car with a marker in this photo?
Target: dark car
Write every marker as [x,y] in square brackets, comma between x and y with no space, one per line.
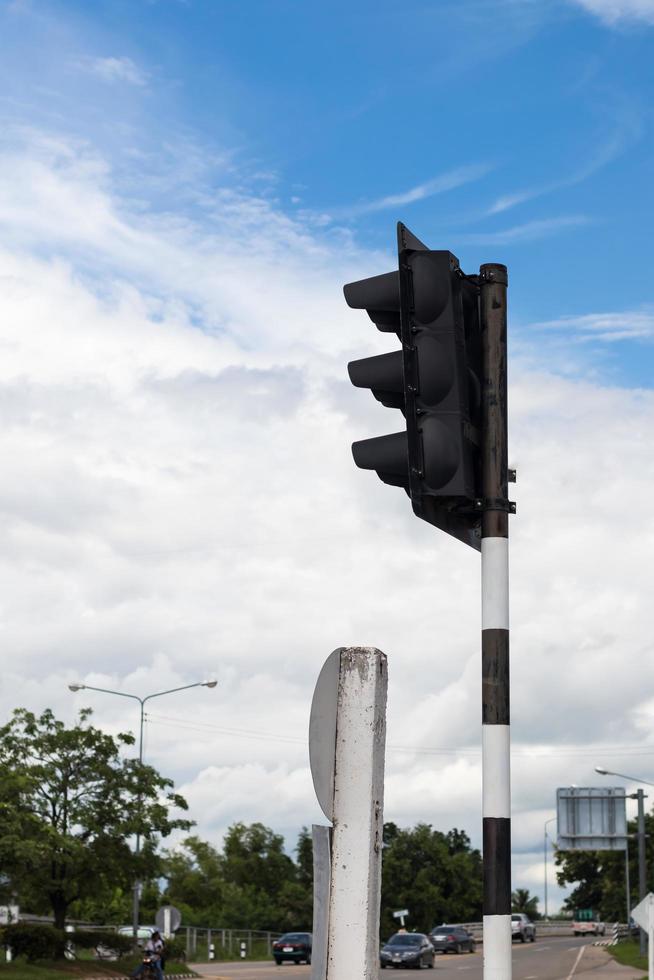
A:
[294,946]
[407,949]
[452,939]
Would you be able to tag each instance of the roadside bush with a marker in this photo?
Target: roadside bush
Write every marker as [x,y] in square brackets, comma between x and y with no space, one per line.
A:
[34,942]
[175,949]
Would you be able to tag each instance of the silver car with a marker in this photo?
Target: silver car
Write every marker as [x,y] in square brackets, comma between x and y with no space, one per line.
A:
[522,927]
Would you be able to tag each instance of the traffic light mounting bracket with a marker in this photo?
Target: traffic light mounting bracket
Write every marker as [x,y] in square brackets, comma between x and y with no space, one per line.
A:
[495,503]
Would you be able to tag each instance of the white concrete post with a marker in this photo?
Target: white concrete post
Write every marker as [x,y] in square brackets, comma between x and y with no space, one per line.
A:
[322,865]
[355,887]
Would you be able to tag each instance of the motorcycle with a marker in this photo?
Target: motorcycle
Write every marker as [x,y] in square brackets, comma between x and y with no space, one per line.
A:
[149,969]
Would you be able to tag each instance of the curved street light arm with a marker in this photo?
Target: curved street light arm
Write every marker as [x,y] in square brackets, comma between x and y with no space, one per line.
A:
[105,690]
[184,687]
[622,775]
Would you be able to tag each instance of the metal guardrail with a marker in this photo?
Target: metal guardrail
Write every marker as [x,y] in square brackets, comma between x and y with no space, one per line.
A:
[199,940]
[559,927]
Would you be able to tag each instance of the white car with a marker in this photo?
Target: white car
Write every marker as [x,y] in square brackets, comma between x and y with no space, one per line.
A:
[586,928]
[105,951]
[522,927]
[143,933]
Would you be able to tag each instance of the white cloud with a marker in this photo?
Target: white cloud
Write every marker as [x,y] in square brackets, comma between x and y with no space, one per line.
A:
[528,232]
[437,185]
[627,325]
[615,11]
[114,69]
[627,128]
[178,499]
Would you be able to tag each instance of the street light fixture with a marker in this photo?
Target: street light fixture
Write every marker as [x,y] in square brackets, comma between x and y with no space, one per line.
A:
[639,795]
[103,690]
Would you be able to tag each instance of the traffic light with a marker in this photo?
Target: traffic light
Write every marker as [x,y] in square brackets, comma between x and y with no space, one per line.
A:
[435,380]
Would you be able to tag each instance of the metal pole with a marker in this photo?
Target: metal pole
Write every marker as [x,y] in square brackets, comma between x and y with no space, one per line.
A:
[642,868]
[121,694]
[551,820]
[496,796]
[626,874]
[136,899]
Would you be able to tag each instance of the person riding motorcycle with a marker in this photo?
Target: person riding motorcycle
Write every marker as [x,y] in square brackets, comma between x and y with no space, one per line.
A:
[154,949]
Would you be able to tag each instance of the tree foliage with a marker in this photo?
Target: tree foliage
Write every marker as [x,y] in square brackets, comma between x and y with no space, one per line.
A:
[599,876]
[522,901]
[253,882]
[436,876]
[69,805]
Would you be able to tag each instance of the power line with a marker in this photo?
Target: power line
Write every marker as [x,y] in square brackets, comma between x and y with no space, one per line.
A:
[534,753]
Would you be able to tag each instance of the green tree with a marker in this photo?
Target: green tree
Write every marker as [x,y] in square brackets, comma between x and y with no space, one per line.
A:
[304,852]
[196,882]
[437,876]
[599,876]
[255,862]
[251,883]
[68,807]
[522,901]
[587,869]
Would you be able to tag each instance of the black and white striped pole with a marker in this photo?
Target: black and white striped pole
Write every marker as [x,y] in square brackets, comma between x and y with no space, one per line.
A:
[496,797]
[452,460]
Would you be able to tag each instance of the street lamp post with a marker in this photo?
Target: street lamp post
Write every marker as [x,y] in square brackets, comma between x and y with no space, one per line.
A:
[142,701]
[551,819]
[639,795]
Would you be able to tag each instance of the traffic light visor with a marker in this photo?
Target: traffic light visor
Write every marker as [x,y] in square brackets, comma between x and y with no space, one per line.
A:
[385,454]
[375,293]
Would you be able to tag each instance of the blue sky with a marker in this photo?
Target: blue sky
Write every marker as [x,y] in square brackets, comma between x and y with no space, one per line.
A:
[184,189]
[518,131]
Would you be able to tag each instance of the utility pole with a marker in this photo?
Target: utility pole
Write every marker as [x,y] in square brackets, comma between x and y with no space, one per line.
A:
[551,820]
[496,761]
[642,866]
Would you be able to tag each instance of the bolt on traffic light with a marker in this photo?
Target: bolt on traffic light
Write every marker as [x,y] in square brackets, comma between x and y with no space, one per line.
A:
[435,380]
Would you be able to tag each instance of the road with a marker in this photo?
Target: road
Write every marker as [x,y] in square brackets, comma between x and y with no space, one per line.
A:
[560,958]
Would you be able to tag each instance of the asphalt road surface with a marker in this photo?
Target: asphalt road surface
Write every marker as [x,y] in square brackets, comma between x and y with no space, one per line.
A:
[560,958]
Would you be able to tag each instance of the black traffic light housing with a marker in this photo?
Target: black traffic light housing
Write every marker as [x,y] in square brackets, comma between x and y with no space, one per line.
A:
[435,380]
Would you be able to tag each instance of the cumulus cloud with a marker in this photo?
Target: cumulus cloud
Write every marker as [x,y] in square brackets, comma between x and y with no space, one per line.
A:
[179,500]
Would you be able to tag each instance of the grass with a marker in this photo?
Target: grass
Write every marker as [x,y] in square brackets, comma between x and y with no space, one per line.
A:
[19,969]
[627,952]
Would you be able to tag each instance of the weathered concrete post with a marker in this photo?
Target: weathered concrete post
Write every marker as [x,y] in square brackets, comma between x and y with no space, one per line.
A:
[347,744]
